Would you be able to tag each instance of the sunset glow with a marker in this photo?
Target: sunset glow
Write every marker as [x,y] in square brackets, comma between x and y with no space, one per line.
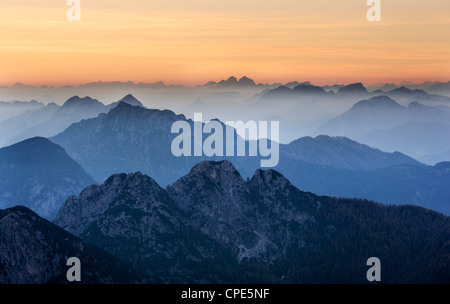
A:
[192,42]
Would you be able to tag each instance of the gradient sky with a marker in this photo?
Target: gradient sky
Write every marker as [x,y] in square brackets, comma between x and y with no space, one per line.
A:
[192,42]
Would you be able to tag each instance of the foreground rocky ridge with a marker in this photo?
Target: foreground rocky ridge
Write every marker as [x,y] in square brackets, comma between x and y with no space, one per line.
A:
[213,226]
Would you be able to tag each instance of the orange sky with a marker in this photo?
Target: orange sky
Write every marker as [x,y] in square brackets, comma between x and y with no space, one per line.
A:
[192,42]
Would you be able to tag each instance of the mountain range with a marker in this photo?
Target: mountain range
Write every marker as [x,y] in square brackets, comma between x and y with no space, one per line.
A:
[417,130]
[381,113]
[158,218]
[52,119]
[129,139]
[213,226]
[14,108]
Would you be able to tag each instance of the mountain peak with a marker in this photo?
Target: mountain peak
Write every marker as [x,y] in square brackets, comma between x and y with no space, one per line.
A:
[267,175]
[215,169]
[131,100]
[233,81]
[230,81]
[76,100]
[221,177]
[33,148]
[16,210]
[378,101]
[402,89]
[245,81]
[123,104]
[130,180]
[416,104]
[113,194]
[268,180]
[407,91]
[354,88]
[309,89]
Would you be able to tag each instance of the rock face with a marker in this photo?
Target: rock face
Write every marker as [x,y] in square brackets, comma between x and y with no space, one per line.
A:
[251,218]
[35,251]
[223,211]
[40,175]
[213,226]
[133,218]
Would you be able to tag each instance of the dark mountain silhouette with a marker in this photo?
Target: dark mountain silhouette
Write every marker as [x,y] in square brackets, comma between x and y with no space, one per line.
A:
[246,82]
[40,175]
[301,90]
[266,229]
[353,89]
[35,251]
[404,94]
[129,99]
[233,82]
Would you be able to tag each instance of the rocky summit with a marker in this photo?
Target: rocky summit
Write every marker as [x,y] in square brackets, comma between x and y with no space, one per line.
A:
[212,226]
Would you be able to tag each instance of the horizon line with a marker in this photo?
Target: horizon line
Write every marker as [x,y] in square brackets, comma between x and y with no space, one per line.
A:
[204,84]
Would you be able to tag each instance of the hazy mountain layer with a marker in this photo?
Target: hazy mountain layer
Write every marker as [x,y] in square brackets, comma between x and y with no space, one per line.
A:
[129,139]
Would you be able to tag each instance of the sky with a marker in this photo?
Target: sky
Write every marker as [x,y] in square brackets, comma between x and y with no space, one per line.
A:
[193,42]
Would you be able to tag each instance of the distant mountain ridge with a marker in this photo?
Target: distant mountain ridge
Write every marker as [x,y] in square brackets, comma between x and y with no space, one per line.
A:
[381,112]
[342,153]
[13,108]
[52,119]
[130,139]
